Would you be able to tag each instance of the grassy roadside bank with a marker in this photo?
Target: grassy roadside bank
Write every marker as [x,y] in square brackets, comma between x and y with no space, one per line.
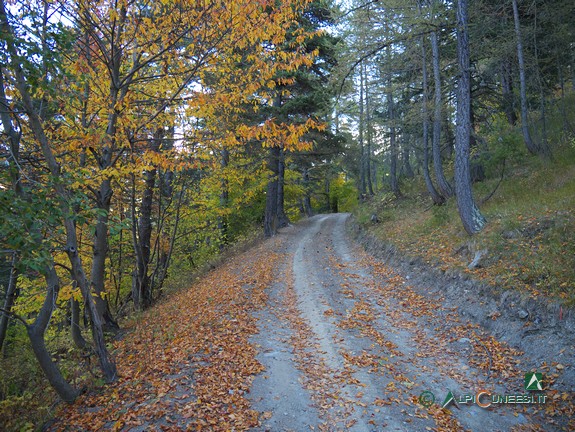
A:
[528,244]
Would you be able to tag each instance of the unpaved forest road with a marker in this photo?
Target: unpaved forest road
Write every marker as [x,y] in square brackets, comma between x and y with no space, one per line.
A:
[348,345]
[306,331]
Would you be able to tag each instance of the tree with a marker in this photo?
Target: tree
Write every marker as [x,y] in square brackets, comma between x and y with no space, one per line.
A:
[271,210]
[472,219]
[443,185]
[361,129]
[531,146]
[368,135]
[36,331]
[301,98]
[435,196]
[393,148]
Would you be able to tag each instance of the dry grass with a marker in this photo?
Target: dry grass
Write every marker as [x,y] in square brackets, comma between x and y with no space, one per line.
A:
[530,236]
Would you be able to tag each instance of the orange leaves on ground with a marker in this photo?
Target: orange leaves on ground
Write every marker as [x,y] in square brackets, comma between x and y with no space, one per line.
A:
[361,317]
[322,382]
[362,360]
[444,420]
[187,362]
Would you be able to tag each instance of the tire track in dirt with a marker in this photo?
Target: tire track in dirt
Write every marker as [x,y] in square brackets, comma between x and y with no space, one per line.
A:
[422,358]
[346,396]
[312,288]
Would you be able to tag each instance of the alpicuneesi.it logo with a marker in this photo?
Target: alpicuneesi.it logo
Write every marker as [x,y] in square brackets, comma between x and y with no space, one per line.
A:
[485,398]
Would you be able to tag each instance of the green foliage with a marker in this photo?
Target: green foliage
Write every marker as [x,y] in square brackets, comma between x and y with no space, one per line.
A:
[505,144]
[343,195]
[23,413]
[441,216]
[27,225]
[24,399]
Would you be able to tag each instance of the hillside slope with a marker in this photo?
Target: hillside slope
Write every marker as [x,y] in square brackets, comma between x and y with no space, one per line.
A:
[527,245]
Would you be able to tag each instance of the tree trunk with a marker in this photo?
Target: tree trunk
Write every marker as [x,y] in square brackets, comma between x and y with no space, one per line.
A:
[477,171]
[472,219]
[9,299]
[532,147]
[100,252]
[165,190]
[374,176]
[405,158]
[435,196]
[141,286]
[75,329]
[572,56]
[36,333]
[367,125]
[393,181]
[66,392]
[307,206]
[328,206]
[165,261]
[105,155]
[282,218]
[564,116]
[270,215]
[449,137]
[106,364]
[224,197]
[507,92]
[307,198]
[103,198]
[362,173]
[443,185]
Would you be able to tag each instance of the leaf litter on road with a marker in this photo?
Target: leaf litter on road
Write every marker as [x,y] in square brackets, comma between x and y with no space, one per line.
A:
[186,364]
[189,363]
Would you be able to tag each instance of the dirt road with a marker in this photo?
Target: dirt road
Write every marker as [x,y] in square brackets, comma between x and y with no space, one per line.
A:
[348,344]
[306,331]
